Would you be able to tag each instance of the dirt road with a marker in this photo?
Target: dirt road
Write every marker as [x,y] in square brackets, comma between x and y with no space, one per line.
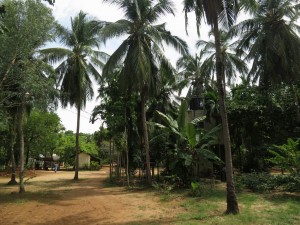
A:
[55,199]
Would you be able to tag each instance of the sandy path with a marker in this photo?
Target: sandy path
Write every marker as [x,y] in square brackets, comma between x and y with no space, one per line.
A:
[54,199]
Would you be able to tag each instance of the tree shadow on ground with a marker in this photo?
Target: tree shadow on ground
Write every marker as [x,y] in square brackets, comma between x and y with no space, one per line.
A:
[84,218]
[52,191]
[283,197]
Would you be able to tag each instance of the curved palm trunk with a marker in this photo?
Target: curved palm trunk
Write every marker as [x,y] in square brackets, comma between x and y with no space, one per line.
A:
[12,156]
[145,134]
[232,204]
[77,145]
[21,144]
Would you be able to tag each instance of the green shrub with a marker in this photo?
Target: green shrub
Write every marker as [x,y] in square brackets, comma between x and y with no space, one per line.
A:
[164,188]
[239,183]
[86,166]
[67,165]
[290,183]
[105,161]
[287,156]
[258,182]
[264,182]
[2,167]
[196,189]
[95,166]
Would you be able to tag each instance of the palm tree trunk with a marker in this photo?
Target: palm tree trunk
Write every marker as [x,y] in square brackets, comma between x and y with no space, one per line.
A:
[145,134]
[27,152]
[113,159]
[127,143]
[21,145]
[232,204]
[77,145]
[127,167]
[12,156]
[110,161]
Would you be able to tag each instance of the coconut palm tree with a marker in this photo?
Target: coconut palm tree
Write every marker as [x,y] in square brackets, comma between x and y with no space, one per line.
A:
[141,51]
[189,68]
[271,38]
[233,63]
[217,12]
[78,64]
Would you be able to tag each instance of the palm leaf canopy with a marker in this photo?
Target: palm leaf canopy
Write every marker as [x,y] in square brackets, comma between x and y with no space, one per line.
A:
[141,53]
[271,38]
[191,75]
[79,63]
[233,63]
[224,11]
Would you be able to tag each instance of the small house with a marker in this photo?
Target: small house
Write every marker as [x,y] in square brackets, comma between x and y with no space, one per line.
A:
[84,160]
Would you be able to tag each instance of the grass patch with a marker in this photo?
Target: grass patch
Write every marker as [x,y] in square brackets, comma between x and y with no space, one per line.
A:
[255,208]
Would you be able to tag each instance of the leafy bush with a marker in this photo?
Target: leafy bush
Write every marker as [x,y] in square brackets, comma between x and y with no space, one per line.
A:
[287,156]
[95,166]
[264,182]
[67,165]
[105,161]
[164,188]
[86,166]
[196,189]
[293,185]
[2,167]
[290,183]
[257,182]
[238,183]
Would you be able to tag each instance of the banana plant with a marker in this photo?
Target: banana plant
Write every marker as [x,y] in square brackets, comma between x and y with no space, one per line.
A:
[191,141]
[286,156]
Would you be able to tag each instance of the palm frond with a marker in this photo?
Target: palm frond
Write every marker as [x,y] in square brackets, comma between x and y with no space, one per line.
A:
[117,29]
[116,58]
[54,55]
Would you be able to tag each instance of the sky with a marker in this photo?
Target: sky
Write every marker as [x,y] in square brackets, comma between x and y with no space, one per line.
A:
[63,10]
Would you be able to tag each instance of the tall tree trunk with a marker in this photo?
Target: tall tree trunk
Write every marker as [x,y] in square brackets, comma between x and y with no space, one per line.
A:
[77,145]
[113,154]
[119,165]
[12,154]
[127,148]
[127,167]
[232,204]
[145,134]
[110,161]
[21,145]
[27,152]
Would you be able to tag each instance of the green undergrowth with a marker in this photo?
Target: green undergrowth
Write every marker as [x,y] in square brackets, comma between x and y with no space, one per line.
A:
[255,208]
